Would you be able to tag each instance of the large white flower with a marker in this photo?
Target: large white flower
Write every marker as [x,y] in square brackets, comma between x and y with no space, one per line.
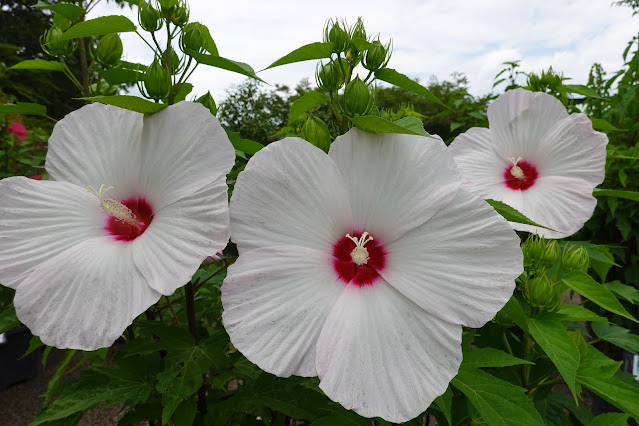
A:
[359,267]
[85,263]
[535,158]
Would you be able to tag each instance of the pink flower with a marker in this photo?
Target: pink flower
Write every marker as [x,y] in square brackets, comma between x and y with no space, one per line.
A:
[18,130]
[536,158]
[133,206]
[36,177]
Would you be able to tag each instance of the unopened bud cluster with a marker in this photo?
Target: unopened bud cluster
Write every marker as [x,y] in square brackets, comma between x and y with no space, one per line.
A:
[540,293]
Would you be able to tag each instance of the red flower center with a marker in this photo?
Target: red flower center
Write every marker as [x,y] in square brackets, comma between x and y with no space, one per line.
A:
[358,263]
[123,231]
[521,175]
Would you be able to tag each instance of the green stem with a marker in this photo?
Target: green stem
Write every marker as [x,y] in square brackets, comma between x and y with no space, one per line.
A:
[506,342]
[147,43]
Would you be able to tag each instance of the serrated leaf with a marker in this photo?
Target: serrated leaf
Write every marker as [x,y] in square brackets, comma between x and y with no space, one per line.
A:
[580,89]
[499,402]
[490,357]
[99,26]
[38,64]
[610,419]
[400,80]
[601,124]
[69,11]
[374,124]
[511,214]
[245,145]
[583,284]
[579,313]
[132,103]
[626,292]
[23,108]
[305,53]
[8,319]
[412,123]
[550,334]
[306,103]
[223,63]
[628,195]
[618,336]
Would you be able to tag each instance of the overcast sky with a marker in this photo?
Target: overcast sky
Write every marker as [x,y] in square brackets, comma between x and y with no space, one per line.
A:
[430,37]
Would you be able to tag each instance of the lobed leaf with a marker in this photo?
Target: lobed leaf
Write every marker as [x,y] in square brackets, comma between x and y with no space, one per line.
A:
[99,26]
[69,11]
[374,124]
[400,80]
[306,103]
[39,64]
[618,336]
[512,215]
[223,63]
[490,357]
[132,103]
[305,53]
[245,145]
[23,108]
[8,319]
[628,195]
[580,89]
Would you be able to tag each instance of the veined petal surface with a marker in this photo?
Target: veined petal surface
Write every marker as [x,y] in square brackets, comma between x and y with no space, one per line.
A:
[480,165]
[182,235]
[95,145]
[291,193]
[85,297]
[379,354]
[184,148]
[520,118]
[41,219]
[276,301]
[460,266]
[395,182]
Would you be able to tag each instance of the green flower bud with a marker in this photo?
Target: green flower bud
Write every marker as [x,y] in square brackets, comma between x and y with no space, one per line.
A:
[539,253]
[149,18]
[316,132]
[109,50]
[334,33]
[358,30]
[575,259]
[207,101]
[329,77]
[157,81]
[52,46]
[102,88]
[194,37]
[540,293]
[357,98]
[167,4]
[180,15]
[377,56]
[171,61]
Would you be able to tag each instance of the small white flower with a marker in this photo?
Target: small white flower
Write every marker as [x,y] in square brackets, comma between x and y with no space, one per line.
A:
[361,265]
[134,205]
[535,158]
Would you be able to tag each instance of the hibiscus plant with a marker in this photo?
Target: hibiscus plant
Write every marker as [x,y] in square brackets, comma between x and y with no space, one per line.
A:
[358,271]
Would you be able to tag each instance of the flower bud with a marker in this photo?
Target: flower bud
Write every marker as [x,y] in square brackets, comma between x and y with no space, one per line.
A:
[358,30]
[171,61]
[329,77]
[539,253]
[316,132]
[377,56]
[157,81]
[52,46]
[575,259]
[540,293]
[180,15]
[149,18]
[334,33]
[102,88]
[357,98]
[208,101]
[194,37]
[109,50]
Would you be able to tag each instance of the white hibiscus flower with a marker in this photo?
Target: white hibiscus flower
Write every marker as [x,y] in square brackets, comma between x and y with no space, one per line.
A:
[361,265]
[84,263]
[536,158]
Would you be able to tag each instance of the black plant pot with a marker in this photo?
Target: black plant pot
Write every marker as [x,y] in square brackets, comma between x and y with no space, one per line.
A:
[13,368]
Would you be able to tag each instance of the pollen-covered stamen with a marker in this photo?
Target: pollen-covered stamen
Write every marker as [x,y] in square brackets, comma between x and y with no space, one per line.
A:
[359,255]
[516,171]
[116,209]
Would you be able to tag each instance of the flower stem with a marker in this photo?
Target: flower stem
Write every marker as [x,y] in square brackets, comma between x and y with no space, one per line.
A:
[190,314]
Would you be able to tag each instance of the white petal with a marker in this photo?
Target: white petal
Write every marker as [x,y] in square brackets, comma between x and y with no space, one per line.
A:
[460,266]
[396,182]
[183,149]
[275,303]
[379,354]
[571,148]
[291,193]
[182,235]
[478,162]
[97,144]
[520,118]
[40,219]
[560,203]
[85,297]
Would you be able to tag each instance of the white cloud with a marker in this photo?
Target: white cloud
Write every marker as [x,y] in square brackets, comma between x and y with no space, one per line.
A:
[434,37]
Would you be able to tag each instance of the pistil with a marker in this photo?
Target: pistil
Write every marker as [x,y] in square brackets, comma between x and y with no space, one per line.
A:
[116,209]
[516,171]
[359,255]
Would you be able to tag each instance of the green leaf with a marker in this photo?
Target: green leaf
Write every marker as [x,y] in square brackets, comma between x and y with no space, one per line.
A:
[412,123]
[245,145]
[400,80]
[610,419]
[580,89]
[374,124]
[69,11]
[132,103]
[99,26]
[514,310]
[511,214]
[223,63]
[490,357]
[583,284]
[306,103]
[8,319]
[117,76]
[499,402]
[550,334]
[445,404]
[627,292]
[579,313]
[305,53]
[618,336]
[185,413]
[603,125]
[34,344]
[183,91]
[628,195]
[23,108]
[38,64]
